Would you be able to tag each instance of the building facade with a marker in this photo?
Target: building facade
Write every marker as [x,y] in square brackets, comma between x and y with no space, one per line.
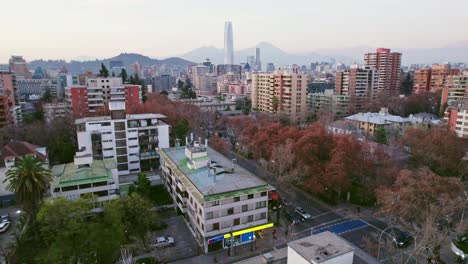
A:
[388,66]
[19,67]
[456,88]
[422,80]
[228,44]
[223,204]
[98,92]
[456,118]
[85,177]
[131,141]
[368,123]
[54,111]
[280,92]
[357,83]
[10,109]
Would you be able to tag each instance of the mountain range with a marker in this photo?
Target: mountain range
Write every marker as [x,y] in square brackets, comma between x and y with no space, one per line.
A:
[270,53]
[75,67]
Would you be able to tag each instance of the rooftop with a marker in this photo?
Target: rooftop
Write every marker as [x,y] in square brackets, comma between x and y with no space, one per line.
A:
[69,174]
[380,118]
[321,247]
[219,180]
[16,149]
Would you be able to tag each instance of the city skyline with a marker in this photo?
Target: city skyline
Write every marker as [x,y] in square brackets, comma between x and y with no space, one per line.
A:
[73,32]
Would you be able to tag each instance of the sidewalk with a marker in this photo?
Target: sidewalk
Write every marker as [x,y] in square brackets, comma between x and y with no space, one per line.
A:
[242,252]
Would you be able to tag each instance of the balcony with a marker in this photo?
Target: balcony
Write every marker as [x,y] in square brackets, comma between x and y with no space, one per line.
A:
[148,155]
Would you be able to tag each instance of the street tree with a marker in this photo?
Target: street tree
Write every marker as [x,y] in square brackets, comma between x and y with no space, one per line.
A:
[29,179]
[123,74]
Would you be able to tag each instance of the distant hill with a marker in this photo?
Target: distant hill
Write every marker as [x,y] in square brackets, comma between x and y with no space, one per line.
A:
[269,53]
[75,67]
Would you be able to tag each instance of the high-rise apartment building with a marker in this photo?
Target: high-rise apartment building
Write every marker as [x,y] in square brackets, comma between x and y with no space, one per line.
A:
[358,83]
[432,79]
[280,92]
[455,88]
[223,204]
[19,67]
[456,117]
[422,80]
[132,141]
[10,110]
[228,44]
[98,92]
[197,71]
[388,66]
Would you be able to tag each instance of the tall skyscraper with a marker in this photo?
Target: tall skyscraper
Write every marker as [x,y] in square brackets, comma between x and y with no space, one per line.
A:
[258,62]
[228,44]
[388,66]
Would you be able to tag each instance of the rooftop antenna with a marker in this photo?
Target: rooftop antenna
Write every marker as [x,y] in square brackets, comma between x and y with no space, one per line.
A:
[234,161]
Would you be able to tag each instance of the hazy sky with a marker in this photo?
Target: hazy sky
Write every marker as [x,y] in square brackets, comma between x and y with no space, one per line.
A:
[103,28]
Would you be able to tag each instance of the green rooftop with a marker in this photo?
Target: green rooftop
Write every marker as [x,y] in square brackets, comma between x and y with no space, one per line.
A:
[68,174]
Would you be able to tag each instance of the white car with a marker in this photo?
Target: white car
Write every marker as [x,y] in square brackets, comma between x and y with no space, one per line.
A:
[162,242]
[302,213]
[4,226]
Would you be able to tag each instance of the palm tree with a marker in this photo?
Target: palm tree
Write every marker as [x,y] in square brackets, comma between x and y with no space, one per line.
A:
[29,179]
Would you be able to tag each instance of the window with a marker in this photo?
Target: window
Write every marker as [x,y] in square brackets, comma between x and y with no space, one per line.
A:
[209,215]
[250,218]
[237,221]
[262,215]
[215,203]
[261,204]
[230,211]
[216,226]
[236,199]
[245,208]
[250,196]
[264,194]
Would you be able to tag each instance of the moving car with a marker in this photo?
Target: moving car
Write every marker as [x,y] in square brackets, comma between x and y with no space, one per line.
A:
[4,218]
[402,239]
[162,242]
[4,226]
[302,213]
[292,217]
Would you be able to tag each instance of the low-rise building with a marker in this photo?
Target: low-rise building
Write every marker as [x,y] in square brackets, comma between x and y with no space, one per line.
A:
[131,141]
[85,176]
[323,248]
[222,203]
[8,154]
[370,122]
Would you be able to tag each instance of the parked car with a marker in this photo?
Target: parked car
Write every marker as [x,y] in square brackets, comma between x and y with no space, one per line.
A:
[4,226]
[402,239]
[293,218]
[162,242]
[302,213]
[4,218]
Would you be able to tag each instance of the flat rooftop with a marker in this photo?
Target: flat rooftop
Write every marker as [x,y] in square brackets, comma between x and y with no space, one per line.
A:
[321,247]
[68,174]
[224,183]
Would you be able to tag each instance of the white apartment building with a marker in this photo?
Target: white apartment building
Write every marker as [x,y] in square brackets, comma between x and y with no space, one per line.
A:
[222,203]
[131,141]
[85,176]
[456,117]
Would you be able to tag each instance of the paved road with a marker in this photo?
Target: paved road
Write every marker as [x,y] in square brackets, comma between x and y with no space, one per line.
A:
[324,216]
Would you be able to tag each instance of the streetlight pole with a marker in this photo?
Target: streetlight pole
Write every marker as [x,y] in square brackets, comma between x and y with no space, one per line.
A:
[378,248]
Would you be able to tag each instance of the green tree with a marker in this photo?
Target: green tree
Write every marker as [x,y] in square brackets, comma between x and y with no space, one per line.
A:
[187,91]
[180,130]
[381,135]
[72,234]
[103,72]
[275,103]
[144,185]
[123,74]
[135,214]
[29,179]
[407,85]
[180,84]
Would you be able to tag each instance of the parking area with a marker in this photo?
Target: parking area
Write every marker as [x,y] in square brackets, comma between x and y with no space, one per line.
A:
[5,237]
[185,244]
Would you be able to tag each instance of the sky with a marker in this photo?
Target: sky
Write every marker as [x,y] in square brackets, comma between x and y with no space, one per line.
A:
[69,29]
